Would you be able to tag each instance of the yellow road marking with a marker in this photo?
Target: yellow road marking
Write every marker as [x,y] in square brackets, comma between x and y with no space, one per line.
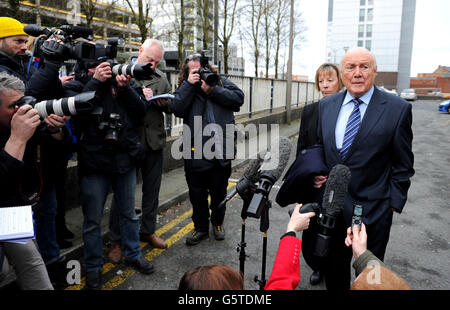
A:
[121,278]
[127,272]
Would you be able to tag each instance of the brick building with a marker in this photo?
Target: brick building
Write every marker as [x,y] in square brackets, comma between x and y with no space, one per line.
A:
[426,83]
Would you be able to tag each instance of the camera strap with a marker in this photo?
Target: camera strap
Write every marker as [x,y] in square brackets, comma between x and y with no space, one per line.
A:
[113,91]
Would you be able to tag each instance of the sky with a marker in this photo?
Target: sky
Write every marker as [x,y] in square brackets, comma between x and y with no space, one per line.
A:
[431,43]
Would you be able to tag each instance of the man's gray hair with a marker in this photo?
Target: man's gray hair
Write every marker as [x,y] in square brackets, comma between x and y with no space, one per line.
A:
[10,82]
[150,42]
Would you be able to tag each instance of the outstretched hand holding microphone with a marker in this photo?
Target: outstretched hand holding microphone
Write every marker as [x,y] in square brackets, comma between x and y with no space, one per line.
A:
[299,221]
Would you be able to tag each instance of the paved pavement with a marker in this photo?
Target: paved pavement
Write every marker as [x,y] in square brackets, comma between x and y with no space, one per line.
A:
[173,190]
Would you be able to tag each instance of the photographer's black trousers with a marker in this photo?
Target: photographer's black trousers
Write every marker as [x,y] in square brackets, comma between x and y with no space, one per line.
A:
[212,182]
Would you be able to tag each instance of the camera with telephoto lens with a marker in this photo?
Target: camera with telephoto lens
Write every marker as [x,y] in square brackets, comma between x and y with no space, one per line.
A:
[109,52]
[83,103]
[112,126]
[205,73]
[67,34]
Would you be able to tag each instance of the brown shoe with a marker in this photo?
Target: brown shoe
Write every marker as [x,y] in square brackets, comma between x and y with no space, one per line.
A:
[154,240]
[115,253]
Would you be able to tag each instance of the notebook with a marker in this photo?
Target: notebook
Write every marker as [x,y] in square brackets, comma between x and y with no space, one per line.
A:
[16,224]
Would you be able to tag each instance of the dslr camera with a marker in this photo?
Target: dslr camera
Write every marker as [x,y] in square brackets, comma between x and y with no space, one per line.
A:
[108,54]
[205,73]
[111,126]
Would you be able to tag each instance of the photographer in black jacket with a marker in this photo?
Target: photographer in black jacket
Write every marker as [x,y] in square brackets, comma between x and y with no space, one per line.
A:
[19,180]
[211,107]
[109,148]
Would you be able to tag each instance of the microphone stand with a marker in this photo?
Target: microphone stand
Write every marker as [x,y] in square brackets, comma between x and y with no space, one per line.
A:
[243,244]
[264,227]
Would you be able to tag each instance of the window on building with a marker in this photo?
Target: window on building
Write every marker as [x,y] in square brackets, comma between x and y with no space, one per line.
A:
[362,2]
[369,31]
[361,31]
[360,43]
[362,14]
[370,2]
[369,15]
[369,45]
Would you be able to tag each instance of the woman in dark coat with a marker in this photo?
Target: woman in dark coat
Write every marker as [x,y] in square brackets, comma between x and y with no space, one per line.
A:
[328,82]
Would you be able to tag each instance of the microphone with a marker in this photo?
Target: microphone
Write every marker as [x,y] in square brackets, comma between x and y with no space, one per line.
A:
[274,163]
[332,207]
[35,31]
[77,31]
[336,190]
[246,183]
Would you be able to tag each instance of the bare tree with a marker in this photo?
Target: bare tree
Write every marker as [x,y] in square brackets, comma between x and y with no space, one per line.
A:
[177,25]
[268,7]
[281,31]
[88,8]
[142,17]
[253,11]
[228,17]
[14,9]
[204,8]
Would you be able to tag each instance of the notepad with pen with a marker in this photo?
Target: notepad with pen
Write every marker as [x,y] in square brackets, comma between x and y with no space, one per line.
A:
[16,224]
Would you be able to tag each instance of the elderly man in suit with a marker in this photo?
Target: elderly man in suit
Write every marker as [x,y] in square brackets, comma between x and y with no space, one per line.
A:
[369,131]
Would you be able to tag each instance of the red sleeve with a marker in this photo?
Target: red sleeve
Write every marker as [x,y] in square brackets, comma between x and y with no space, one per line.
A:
[286,268]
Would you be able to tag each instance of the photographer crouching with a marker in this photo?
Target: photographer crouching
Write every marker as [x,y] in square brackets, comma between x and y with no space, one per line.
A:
[203,95]
[109,149]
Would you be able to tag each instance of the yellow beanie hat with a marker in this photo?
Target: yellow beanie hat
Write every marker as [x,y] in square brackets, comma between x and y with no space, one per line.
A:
[10,27]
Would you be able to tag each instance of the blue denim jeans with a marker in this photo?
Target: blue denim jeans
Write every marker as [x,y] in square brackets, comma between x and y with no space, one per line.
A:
[94,191]
[45,225]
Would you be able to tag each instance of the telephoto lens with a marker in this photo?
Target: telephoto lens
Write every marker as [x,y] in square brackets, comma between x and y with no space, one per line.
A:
[138,71]
[82,103]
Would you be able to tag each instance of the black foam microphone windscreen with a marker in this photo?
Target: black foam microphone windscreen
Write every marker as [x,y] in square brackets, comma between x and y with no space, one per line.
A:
[34,30]
[276,159]
[336,190]
[252,171]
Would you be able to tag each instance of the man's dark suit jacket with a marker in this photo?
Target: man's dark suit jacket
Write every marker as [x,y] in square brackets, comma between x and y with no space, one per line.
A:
[380,158]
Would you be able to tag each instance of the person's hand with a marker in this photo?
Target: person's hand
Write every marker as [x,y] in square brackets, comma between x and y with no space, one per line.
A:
[55,122]
[193,77]
[299,221]
[357,239]
[66,79]
[24,123]
[206,88]
[123,80]
[103,72]
[148,92]
[319,180]
[161,102]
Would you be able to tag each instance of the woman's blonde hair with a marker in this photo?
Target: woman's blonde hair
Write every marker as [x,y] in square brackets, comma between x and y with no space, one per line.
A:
[328,68]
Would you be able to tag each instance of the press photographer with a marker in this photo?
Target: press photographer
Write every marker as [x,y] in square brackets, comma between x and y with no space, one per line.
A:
[20,182]
[214,105]
[109,150]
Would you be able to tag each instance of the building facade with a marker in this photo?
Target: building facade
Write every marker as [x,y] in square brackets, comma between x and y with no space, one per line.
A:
[385,27]
[429,83]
